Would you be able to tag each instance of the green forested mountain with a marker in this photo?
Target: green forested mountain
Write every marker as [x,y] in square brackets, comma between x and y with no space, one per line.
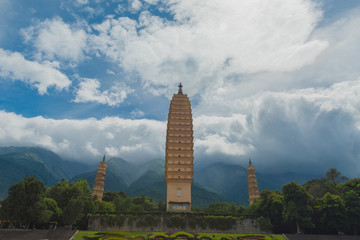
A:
[230,181]
[147,179]
[152,184]
[119,174]
[214,183]
[17,162]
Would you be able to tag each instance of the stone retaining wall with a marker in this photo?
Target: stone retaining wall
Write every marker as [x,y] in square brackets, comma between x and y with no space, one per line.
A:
[101,223]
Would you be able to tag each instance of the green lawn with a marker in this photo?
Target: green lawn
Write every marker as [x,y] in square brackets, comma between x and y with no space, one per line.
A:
[101,235]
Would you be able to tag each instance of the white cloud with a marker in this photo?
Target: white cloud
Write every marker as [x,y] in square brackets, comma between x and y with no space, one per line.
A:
[336,64]
[88,91]
[82,2]
[210,40]
[111,151]
[136,5]
[110,72]
[55,39]
[13,65]
[280,131]
[137,113]
[288,131]
[89,147]
[86,140]
[152,2]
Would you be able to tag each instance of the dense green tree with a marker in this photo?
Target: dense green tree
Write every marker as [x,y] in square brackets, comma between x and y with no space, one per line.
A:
[222,208]
[297,208]
[52,206]
[332,211]
[123,204]
[352,184]
[109,196]
[330,183]
[73,211]
[139,200]
[352,205]
[316,187]
[161,206]
[270,205]
[333,175]
[24,202]
[219,207]
[149,205]
[61,193]
[39,213]
[79,190]
[102,206]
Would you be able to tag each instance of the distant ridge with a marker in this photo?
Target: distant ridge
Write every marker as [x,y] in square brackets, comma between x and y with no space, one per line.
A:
[18,162]
[217,182]
[147,179]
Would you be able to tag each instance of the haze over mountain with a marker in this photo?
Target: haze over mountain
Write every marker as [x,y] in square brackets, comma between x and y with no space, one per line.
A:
[146,179]
[213,183]
[17,162]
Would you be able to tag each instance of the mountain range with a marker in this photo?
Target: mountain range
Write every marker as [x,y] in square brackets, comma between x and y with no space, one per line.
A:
[217,182]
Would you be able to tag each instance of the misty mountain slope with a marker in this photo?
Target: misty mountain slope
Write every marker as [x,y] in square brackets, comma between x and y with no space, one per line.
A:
[152,184]
[230,181]
[157,165]
[216,182]
[227,180]
[15,166]
[119,174]
[17,162]
[286,177]
[113,181]
[54,163]
[201,196]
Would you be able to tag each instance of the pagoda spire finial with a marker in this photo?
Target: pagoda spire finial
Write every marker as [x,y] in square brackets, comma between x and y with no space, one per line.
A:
[249,161]
[104,158]
[180,89]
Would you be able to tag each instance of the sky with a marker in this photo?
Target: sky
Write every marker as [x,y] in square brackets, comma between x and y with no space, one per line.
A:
[276,81]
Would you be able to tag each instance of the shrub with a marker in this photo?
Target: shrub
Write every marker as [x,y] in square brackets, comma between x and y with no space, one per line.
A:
[264,225]
[221,222]
[110,220]
[192,223]
[159,236]
[176,221]
[182,235]
[120,220]
[148,221]
[202,223]
[131,220]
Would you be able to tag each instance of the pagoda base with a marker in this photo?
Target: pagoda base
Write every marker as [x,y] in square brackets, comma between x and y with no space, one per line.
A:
[179,206]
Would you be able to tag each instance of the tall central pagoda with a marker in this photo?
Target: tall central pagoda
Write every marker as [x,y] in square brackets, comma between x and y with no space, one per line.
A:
[179,154]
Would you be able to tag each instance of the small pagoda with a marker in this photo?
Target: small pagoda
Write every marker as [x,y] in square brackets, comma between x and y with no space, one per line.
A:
[252,184]
[98,189]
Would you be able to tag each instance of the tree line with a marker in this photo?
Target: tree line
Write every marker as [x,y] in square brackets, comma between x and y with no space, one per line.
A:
[29,204]
[327,205]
